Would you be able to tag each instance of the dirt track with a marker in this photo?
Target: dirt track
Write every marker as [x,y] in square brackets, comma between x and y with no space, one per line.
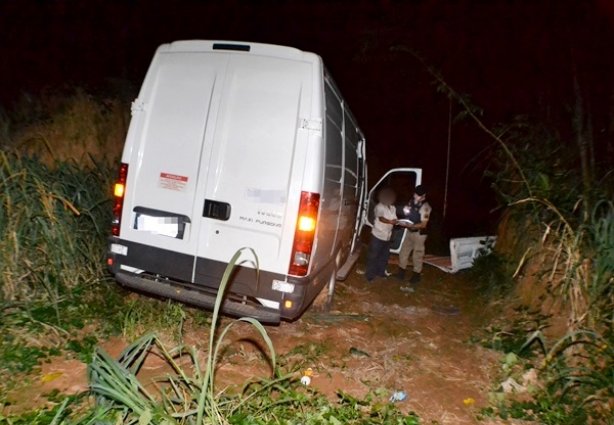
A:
[415,342]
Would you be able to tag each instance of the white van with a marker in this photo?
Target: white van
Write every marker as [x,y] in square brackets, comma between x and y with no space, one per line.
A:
[237,145]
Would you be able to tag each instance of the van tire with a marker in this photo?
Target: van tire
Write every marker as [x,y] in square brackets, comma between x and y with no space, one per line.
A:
[324,300]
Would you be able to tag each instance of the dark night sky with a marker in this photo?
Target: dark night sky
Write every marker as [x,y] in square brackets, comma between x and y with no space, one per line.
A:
[512,57]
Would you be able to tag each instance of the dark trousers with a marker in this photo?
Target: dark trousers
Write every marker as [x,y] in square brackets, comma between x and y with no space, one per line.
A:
[377,258]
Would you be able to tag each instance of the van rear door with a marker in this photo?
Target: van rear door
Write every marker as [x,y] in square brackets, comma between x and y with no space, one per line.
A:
[254,165]
[170,120]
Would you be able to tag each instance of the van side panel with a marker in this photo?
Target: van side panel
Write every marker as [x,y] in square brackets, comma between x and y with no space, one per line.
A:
[342,189]
[330,204]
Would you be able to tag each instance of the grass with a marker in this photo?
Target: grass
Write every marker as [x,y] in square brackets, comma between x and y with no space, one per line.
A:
[52,232]
[492,275]
[188,394]
[31,334]
[509,334]
[573,376]
[55,296]
[137,317]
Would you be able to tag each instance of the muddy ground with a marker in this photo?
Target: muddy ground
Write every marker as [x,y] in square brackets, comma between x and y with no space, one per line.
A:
[376,337]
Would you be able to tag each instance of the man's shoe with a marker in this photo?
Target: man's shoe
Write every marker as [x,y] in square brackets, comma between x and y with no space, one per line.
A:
[401,274]
[415,278]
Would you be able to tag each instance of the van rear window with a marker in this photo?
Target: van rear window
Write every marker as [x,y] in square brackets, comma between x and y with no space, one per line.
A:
[228,46]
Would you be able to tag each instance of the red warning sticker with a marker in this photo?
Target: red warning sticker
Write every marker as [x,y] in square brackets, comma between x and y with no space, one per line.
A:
[172,181]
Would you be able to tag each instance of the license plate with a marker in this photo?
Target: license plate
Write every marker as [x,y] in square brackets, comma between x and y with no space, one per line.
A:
[166,226]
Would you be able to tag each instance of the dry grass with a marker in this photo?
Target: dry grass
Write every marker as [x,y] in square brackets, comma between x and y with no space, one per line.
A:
[74,126]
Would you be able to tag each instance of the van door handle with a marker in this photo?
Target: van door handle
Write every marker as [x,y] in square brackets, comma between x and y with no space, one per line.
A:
[216,210]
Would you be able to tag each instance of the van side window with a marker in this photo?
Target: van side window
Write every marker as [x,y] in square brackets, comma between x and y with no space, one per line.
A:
[334,142]
[351,154]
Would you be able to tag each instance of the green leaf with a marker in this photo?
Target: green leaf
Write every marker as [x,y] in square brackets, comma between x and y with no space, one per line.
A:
[145,417]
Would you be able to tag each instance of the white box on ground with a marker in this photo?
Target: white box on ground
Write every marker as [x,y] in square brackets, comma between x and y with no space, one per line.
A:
[462,253]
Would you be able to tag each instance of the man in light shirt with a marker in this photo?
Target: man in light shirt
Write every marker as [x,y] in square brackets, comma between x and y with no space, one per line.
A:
[379,245]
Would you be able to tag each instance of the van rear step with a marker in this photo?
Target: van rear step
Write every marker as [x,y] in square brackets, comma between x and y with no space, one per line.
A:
[196,298]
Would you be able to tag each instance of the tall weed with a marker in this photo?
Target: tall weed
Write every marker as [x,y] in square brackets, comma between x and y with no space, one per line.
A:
[51,238]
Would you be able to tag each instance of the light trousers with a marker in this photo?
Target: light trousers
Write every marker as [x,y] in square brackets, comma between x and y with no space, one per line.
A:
[412,244]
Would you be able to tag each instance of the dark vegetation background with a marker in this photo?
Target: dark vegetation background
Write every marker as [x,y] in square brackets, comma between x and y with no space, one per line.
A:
[512,57]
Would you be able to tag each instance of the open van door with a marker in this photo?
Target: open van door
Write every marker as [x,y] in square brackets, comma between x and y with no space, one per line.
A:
[403,181]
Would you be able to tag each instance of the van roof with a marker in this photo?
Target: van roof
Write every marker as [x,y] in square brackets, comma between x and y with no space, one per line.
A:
[237,46]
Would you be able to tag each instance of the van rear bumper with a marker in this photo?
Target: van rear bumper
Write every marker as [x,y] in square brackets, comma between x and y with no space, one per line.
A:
[196,298]
[196,281]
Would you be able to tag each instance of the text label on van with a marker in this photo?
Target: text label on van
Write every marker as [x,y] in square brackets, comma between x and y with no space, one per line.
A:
[172,181]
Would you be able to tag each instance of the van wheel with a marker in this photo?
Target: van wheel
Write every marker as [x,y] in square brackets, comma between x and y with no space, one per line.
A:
[324,300]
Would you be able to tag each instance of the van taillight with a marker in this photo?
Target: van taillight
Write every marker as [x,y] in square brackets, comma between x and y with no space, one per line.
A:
[119,190]
[304,233]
